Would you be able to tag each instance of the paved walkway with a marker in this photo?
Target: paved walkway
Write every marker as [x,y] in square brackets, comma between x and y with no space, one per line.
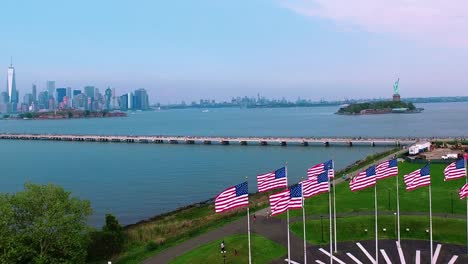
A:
[275,230]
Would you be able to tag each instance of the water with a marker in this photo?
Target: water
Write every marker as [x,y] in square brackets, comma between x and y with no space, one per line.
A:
[443,119]
[137,181]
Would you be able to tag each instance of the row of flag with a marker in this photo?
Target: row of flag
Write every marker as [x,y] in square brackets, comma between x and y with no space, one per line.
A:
[318,182]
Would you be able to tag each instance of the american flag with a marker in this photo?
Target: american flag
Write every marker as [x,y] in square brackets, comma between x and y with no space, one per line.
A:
[455,170]
[315,185]
[295,201]
[233,197]
[272,180]
[418,178]
[279,202]
[463,191]
[320,168]
[386,169]
[363,180]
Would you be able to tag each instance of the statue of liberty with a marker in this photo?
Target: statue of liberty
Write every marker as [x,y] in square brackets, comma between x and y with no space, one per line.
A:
[395,87]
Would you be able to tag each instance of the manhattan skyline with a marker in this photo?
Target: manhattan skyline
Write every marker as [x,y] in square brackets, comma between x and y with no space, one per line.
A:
[311,49]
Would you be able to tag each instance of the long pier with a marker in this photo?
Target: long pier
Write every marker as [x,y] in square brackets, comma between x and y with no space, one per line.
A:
[209,140]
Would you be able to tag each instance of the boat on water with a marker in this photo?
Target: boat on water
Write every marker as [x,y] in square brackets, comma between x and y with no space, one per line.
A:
[406,110]
[205,111]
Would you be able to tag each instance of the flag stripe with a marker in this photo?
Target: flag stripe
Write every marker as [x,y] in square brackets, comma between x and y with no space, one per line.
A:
[388,168]
[418,178]
[455,170]
[463,193]
[272,180]
[233,197]
[279,202]
[315,186]
[320,168]
[363,180]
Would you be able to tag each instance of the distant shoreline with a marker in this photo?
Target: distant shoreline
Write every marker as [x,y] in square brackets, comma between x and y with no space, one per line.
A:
[63,114]
[414,100]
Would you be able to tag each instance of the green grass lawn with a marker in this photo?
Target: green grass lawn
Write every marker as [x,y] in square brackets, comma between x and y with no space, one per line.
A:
[263,251]
[353,229]
[148,239]
[414,201]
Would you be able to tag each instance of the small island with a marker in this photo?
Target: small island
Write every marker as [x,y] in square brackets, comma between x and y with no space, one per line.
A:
[66,114]
[381,107]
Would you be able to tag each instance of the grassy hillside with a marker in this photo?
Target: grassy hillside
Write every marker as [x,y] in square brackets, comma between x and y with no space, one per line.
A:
[414,201]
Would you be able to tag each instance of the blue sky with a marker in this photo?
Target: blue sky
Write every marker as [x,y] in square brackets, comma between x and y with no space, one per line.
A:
[186,50]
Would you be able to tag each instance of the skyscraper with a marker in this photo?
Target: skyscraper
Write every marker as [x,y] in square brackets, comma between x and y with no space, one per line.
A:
[89,91]
[76,92]
[43,100]
[34,92]
[61,93]
[130,101]
[4,98]
[113,98]
[123,102]
[11,84]
[108,97]
[141,100]
[50,88]
[28,99]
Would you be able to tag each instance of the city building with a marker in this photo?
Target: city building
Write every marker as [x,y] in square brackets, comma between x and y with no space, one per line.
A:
[28,99]
[51,103]
[50,86]
[89,91]
[4,98]
[76,92]
[79,101]
[130,101]
[11,87]
[43,100]
[61,93]
[108,97]
[123,102]
[34,92]
[141,101]
[114,97]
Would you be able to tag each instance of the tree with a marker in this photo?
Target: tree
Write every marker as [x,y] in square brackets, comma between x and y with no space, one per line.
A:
[108,242]
[43,224]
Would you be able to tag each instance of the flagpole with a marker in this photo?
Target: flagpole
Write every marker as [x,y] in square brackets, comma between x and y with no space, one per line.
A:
[398,210]
[334,205]
[248,234]
[330,216]
[303,221]
[430,222]
[466,181]
[289,246]
[376,227]
[248,230]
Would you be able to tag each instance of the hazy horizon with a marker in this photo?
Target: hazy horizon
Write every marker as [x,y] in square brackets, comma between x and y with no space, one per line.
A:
[315,49]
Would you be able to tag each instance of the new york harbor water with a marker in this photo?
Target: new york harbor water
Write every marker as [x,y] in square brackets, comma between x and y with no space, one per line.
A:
[137,181]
